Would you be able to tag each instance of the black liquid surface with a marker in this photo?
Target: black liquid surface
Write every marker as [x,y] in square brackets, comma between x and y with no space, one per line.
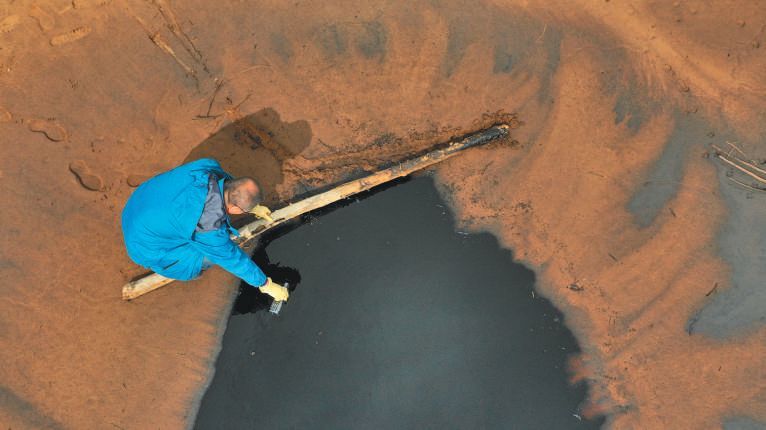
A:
[397,321]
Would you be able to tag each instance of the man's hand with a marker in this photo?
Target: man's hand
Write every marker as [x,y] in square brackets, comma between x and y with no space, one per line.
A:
[262,212]
[275,290]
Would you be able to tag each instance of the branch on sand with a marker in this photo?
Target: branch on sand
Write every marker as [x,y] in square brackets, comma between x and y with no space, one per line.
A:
[153,281]
[742,164]
[219,83]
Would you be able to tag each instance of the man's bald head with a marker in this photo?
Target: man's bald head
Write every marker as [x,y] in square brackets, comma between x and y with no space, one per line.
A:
[241,194]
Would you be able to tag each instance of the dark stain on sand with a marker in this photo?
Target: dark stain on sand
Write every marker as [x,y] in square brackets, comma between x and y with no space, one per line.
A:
[372,40]
[25,412]
[282,46]
[257,146]
[331,40]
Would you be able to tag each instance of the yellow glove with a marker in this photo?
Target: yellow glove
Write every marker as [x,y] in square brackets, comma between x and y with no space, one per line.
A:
[275,290]
[262,212]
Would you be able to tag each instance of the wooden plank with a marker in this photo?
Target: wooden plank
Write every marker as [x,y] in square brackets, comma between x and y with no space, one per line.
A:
[153,281]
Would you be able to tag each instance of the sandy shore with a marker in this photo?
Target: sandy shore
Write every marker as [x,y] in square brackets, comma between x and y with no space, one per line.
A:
[609,186]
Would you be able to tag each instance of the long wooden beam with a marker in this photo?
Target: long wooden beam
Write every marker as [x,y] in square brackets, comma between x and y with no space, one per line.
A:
[153,281]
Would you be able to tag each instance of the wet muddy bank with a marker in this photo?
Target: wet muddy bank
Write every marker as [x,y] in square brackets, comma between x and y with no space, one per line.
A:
[397,320]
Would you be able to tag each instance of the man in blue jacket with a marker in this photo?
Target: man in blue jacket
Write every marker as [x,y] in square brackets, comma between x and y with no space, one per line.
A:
[177,224]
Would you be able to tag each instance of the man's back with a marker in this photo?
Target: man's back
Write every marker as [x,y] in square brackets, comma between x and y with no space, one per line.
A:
[161,215]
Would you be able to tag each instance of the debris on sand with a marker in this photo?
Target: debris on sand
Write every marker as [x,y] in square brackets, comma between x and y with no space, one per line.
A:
[742,165]
[83,4]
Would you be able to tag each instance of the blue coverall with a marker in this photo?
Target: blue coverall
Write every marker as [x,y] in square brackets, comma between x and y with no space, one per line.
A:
[161,231]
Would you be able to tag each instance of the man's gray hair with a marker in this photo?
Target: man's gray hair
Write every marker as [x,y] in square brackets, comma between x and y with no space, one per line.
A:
[241,192]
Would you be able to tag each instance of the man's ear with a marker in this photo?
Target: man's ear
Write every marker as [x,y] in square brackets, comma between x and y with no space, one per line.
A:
[233,210]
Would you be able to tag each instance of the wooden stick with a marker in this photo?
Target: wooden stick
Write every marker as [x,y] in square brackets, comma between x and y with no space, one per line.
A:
[750,164]
[749,187]
[153,281]
[742,169]
[736,148]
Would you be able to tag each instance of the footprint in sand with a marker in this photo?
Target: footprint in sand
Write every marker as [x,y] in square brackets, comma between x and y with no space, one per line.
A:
[51,129]
[44,19]
[5,116]
[9,23]
[87,179]
[71,36]
[136,180]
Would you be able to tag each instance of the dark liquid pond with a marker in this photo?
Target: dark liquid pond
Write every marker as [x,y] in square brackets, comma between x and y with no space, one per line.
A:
[397,321]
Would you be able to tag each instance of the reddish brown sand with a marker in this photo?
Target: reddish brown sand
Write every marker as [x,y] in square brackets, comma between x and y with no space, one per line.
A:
[97,95]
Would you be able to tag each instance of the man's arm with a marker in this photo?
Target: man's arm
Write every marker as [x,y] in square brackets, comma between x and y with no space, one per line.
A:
[218,248]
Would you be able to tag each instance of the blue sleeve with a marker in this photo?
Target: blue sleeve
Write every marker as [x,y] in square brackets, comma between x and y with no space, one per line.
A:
[218,248]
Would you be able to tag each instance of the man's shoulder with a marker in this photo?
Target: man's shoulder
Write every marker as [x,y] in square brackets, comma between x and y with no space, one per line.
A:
[201,168]
[194,174]
[202,164]
[173,200]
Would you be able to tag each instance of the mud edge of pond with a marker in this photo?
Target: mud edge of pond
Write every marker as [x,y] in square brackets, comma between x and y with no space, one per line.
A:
[631,294]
